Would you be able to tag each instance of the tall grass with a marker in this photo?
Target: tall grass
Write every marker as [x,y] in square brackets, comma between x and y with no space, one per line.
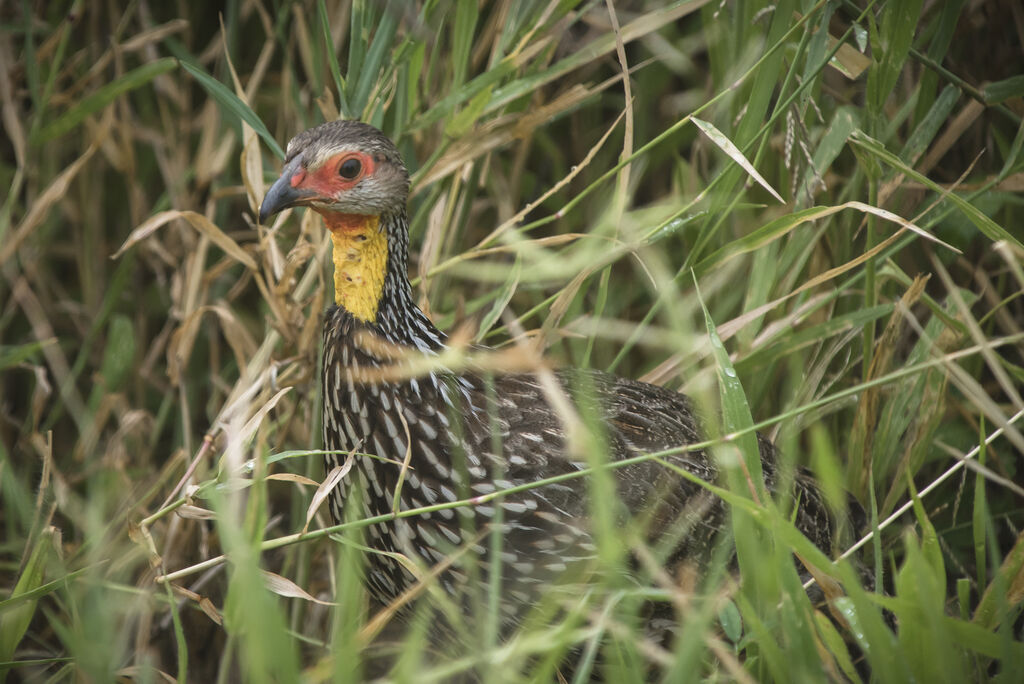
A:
[158,349]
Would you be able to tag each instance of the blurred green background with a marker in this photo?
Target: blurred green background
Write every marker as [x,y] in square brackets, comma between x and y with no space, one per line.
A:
[149,329]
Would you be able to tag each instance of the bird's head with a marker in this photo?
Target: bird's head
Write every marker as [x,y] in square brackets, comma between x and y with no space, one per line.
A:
[351,174]
[340,168]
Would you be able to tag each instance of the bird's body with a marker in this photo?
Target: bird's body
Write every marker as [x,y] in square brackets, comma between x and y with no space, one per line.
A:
[443,436]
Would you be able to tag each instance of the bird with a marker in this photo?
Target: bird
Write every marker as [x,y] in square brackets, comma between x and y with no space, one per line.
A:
[449,434]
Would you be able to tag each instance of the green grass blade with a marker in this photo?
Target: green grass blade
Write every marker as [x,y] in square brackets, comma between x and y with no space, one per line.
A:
[136,78]
[1001,91]
[986,225]
[233,105]
[466,14]
[930,124]
[896,35]
[844,122]
[15,616]
[332,60]
[370,71]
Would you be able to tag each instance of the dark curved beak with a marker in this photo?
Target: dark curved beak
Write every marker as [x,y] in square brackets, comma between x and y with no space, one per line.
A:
[281,194]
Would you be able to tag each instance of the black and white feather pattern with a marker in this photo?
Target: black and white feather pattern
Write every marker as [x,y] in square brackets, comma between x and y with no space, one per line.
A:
[468,439]
[467,435]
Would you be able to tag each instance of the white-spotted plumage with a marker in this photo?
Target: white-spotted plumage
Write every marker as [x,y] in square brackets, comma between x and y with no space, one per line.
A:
[441,422]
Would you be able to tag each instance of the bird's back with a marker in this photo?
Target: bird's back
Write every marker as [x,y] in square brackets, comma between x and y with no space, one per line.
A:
[440,438]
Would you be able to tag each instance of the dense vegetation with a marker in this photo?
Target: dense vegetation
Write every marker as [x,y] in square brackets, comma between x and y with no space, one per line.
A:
[832,189]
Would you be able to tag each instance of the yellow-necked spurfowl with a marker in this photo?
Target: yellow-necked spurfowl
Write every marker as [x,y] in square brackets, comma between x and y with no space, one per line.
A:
[467,434]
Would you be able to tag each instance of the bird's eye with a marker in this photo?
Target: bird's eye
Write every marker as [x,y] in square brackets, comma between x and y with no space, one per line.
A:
[350,168]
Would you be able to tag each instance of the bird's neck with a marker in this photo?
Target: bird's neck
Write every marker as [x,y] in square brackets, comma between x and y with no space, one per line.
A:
[360,262]
[371,255]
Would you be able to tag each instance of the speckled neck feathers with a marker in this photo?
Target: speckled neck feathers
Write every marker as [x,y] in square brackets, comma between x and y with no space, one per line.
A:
[370,282]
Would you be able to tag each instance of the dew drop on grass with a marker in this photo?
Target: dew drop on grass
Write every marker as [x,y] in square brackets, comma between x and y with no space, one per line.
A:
[845,606]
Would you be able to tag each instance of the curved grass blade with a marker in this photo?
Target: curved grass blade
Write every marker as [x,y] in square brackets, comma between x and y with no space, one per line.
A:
[730,149]
[233,105]
[332,61]
[986,225]
[101,98]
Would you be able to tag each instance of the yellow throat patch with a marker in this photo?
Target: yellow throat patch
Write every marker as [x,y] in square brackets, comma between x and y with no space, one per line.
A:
[360,263]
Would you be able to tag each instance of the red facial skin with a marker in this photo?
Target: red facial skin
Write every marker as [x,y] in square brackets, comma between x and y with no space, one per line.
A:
[326,182]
